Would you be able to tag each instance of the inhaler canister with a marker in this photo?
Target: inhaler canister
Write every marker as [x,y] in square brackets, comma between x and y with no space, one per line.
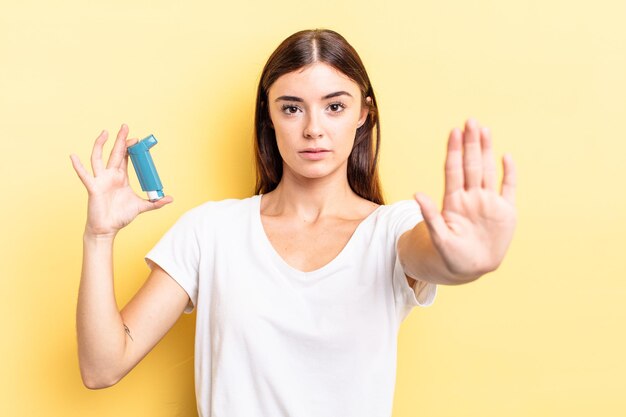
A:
[145,169]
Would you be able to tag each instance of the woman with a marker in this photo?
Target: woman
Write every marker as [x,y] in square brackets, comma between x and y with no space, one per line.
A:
[300,289]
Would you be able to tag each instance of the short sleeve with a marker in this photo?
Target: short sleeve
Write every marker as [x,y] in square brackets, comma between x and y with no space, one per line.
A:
[178,254]
[405,215]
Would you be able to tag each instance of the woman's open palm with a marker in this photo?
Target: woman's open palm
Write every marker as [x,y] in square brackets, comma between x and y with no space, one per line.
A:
[112,202]
[475,226]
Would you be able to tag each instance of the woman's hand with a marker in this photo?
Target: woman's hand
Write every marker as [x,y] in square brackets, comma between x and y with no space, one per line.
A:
[112,203]
[476,224]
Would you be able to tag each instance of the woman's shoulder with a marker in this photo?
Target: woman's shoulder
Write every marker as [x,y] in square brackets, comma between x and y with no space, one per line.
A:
[220,209]
[400,209]
[402,204]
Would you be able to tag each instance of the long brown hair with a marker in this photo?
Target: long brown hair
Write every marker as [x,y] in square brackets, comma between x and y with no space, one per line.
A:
[299,50]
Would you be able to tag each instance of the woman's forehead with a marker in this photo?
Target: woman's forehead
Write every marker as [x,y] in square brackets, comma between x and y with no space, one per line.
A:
[313,82]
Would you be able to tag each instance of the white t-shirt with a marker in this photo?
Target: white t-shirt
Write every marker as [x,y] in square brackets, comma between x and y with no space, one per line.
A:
[275,341]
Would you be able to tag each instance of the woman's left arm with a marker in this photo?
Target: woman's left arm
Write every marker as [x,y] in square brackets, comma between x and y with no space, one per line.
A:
[472,233]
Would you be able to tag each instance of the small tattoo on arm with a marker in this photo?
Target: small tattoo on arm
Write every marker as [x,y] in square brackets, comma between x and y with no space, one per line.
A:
[127,330]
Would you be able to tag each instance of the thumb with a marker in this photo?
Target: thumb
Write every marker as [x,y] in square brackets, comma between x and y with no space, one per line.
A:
[434,221]
[154,205]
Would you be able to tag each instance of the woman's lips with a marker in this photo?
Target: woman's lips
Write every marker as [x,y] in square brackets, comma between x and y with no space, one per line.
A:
[314,154]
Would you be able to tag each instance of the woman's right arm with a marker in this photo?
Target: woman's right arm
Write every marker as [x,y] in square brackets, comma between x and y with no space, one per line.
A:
[110,342]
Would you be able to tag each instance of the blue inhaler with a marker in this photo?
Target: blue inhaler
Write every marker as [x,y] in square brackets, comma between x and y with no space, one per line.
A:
[144,167]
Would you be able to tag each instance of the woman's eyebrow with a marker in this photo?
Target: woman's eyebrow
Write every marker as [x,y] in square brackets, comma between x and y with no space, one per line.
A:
[336,94]
[289,98]
[327,96]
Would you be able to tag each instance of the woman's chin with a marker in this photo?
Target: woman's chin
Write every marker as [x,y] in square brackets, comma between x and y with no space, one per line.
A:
[320,174]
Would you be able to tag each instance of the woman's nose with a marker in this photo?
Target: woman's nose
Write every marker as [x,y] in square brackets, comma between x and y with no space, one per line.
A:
[313,128]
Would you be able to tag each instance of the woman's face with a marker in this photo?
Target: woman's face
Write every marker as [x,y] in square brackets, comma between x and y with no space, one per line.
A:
[315,112]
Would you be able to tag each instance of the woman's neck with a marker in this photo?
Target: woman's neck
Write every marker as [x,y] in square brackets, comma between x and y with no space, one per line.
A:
[310,199]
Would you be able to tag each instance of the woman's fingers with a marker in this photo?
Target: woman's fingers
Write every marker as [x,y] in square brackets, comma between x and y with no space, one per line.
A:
[509,179]
[83,174]
[454,163]
[124,165]
[96,154]
[153,205]
[119,148]
[488,162]
[472,155]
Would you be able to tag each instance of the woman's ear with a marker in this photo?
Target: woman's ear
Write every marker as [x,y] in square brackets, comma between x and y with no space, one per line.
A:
[365,111]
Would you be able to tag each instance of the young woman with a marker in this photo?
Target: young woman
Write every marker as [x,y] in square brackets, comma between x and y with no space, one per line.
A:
[301,288]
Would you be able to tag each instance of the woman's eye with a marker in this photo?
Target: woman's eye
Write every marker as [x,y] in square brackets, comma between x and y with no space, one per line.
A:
[336,107]
[290,109]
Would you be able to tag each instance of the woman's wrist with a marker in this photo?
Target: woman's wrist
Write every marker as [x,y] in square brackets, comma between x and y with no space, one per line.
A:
[90,235]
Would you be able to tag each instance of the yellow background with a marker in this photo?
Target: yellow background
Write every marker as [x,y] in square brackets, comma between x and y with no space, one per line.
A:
[542,336]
